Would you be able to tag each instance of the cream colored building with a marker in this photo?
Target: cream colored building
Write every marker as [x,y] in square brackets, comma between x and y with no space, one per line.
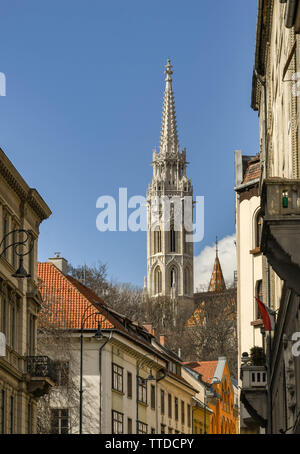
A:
[131,382]
[249,263]
[21,207]
[275,95]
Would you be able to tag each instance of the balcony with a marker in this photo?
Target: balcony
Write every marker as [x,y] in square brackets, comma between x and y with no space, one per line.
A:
[280,239]
[254,394]
[41,372]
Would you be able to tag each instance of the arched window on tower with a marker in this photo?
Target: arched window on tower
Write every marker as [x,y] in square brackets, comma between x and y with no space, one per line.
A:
[187,282]
[173,277]
[172,239]
[157,241]
[157,280]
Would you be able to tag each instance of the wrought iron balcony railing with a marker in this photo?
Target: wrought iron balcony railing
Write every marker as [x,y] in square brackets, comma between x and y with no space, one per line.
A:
[40,366]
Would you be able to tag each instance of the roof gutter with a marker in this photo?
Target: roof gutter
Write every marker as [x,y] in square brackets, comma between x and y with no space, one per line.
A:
[246,185]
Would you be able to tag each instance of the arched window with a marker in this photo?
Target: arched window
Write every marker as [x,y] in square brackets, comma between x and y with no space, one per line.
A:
[258,228]
[187,281]
[259,295]
[172,239]
[157,241]
[173,277]
[157,280]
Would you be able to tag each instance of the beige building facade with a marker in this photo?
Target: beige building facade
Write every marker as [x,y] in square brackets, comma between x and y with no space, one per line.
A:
[131,382]
[272,390]
[21,207]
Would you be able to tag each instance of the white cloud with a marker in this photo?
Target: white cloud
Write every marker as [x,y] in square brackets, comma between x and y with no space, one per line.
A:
[204,262]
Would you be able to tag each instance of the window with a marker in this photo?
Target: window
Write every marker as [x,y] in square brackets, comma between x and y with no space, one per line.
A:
[30,334]
[259,295]
[172,240]
[13,326]
[129,385]
[157,280]
[162,428]
[11,415]
[173,279]
[5,231]
[189,415]
[29,418]
[142,428]
[153,397]
[182,412]
[152,430]
[61,373]
[2,422]
[170,430]
[176,408]
[60,421]
[142,390]
[129,426]
[117,377]
[3,324]
[169,405]
[157,241]
[162,402]
[258,228]
[117,422]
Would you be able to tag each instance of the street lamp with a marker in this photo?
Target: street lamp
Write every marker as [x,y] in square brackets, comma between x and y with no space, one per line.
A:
[16,245]
[98,335]
[150,377]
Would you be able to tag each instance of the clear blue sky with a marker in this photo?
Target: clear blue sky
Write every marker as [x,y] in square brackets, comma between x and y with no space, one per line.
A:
[83,109]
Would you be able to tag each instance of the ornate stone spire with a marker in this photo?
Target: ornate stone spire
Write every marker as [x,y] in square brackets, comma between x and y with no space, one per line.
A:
[217,283]
[168,138]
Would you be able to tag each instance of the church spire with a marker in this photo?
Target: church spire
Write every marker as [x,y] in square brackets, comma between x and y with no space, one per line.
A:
[217,283]
[168,138]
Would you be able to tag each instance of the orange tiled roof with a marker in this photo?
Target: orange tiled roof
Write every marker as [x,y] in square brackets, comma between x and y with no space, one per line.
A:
[253,171]
[67,300]
[217,283]
[205,368]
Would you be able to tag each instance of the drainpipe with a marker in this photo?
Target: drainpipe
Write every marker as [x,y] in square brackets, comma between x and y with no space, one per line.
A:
[269,359]
[100,381]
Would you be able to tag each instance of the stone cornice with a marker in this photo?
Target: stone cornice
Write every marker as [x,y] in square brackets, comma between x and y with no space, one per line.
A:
[20,187]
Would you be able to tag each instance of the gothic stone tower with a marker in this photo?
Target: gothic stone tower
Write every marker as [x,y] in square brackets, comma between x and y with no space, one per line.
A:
[169,255]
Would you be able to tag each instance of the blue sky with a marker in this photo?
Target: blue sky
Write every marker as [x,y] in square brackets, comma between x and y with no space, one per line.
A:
[83,108]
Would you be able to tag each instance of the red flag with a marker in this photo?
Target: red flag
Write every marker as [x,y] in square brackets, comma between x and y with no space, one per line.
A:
[267,315]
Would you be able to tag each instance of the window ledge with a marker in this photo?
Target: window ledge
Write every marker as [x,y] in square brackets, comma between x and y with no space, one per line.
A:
[257,323]
[143,403]
[121,393]
[255,251]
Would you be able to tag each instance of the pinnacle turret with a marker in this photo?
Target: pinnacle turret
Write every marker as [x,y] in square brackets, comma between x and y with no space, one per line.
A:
[168,138]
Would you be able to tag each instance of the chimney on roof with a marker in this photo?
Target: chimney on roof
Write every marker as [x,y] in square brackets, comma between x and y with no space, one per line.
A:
[149,328]
[59,262]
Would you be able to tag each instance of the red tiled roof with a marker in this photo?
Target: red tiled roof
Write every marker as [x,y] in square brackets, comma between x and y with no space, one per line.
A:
[205,368]
[67,300]
[252,172]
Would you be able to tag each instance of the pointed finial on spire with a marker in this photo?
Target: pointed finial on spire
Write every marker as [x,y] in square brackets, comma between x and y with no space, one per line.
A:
[168,138]
[217,246]
[168,73]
